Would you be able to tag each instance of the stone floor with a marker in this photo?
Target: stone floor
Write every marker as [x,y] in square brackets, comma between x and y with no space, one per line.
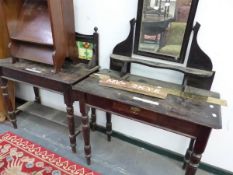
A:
[109,158]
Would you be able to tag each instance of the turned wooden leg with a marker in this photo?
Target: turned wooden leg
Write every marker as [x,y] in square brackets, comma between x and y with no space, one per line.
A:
[7,101]
[198,148]
[37,95]
[93,119]
[71,125]
[85,132]
[70,119]
[188,153]
[109,125]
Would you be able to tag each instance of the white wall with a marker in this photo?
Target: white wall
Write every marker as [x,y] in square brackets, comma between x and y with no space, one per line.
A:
[215,37]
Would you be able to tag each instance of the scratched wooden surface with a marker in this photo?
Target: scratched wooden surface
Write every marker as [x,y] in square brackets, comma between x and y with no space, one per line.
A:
[198,112]
[69,74]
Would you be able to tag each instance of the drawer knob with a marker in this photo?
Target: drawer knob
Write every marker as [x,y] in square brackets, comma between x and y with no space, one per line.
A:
[134,110]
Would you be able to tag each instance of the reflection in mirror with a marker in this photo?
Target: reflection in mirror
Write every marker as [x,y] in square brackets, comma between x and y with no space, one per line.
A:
[163,27]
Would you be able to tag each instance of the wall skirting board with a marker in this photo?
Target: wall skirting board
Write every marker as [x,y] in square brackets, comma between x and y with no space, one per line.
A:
[164,152]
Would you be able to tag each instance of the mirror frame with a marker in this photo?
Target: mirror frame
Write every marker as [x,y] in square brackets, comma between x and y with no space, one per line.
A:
[186,37]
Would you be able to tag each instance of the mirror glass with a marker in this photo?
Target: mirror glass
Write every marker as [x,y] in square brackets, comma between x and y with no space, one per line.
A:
[162,28]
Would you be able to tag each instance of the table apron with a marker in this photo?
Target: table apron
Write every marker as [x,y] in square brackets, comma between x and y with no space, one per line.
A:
[34,80]
[162,121]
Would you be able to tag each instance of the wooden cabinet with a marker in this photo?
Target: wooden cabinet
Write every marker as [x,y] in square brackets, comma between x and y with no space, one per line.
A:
[40,30]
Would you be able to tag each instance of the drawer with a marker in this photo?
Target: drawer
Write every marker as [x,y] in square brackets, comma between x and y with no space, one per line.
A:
[127,109]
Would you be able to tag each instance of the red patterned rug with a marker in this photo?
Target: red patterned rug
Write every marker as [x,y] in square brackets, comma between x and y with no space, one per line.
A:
[19,156]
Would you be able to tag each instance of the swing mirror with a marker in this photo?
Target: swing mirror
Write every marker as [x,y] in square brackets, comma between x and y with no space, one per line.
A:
[163,28]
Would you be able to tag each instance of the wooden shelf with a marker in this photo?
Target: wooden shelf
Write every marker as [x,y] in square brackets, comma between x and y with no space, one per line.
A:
[34,23]
[31,41]
[32,52]
[185,70]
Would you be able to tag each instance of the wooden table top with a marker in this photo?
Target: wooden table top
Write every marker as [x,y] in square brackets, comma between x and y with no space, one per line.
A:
[69,74]
[201,113]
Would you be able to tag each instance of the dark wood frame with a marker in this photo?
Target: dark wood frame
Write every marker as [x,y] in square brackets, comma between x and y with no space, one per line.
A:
[185,40]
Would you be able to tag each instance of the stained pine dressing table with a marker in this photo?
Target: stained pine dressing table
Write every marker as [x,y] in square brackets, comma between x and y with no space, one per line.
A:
[42,76]
[190,117]
[186,117]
